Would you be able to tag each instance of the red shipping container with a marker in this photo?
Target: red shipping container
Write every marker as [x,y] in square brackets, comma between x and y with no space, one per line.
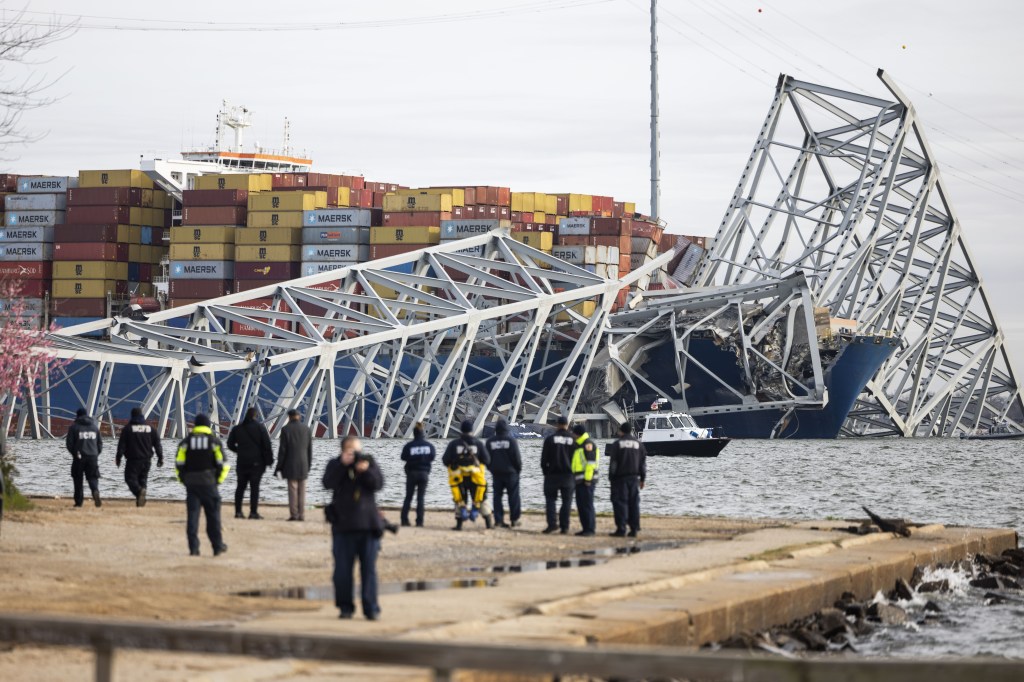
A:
[623,242]
[469,212]
[490,213]
[213,215]
[8,182]
[353,182]
[108,196]
[250,284]
[80,307]
[611,226]
[90,251]
[470,194]
[34,288]
[618,209]
[257,304]
[504,212]
[266,272]
[215,197]
[378,199]
[120,215]
[562,204]
[199,288]
[624,259]
[28,270]
[416,218]
[493,196]
[178,302]
[145,272]
[386,250]
[85,233]
[287,180]
[643,228]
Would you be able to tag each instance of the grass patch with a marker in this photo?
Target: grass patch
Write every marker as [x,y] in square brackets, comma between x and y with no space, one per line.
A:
[13,499]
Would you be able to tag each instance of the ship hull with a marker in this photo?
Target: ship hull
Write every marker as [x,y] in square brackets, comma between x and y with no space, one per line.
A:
[698,447]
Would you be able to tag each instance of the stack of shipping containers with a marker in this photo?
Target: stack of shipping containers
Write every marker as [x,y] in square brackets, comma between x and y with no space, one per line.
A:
[32,206]
[335,237]
[269,248]
[412,220]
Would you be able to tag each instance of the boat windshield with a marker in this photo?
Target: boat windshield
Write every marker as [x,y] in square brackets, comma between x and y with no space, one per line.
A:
[678,423]
[660,423]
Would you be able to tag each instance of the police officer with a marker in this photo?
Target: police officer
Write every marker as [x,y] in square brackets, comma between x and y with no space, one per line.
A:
[418,455]
[466,458]
[627,472]
[506,465]
[85,445]
[201,467]
[584,471]
[251,442]
[137,445]
[556,464]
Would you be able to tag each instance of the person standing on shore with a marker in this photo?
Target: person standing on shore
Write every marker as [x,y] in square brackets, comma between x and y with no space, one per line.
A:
[466,458]
[627,473]
[200,466]
[418,455]
[354,479]
[556,464]
[137,445]
[294,460]
[584,471]
[250,441]
[85,445]
[506,465]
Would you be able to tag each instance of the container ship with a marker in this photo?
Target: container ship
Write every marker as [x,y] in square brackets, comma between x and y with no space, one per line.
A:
[218,221]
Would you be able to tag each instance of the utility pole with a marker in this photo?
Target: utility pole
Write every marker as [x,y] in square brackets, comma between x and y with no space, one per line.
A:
[655,153]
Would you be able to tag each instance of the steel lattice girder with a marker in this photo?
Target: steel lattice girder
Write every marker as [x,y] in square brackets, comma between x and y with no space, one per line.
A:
[845,189]
[401,338]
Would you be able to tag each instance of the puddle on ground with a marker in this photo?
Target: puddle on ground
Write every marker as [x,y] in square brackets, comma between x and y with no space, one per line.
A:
[326,592]
[588,557]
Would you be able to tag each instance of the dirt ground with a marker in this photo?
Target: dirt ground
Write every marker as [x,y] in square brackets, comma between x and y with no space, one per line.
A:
[123,562]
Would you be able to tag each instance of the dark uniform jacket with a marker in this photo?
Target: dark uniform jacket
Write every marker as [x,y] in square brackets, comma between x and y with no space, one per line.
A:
[84,438]
[418,455]
[353,504]
[504,452]
[556,454]
[200,459]
[138,443]
[465,451]
[295,456]
[251,441]
[627,457]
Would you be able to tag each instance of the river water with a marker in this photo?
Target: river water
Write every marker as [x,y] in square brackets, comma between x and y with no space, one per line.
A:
[955,482]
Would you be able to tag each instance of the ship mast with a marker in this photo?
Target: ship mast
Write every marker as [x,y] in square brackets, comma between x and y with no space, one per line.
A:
[655,137]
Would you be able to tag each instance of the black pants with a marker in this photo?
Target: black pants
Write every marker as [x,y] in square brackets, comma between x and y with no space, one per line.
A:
[136,474]
[626,502]
[506,483]
[86,467]
[415,484]
[585,506]
[348,547]
[249,478]
[207,498]
[556,485]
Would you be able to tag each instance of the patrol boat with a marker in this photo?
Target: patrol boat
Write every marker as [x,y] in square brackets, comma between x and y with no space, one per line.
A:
[675,434]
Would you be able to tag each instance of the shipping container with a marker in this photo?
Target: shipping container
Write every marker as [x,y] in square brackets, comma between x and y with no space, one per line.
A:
[479,251]
[203,269]
[250,182]
[622,242]
[287,201]
[88,288]
[35,202]
[8,182]
[87,251]
[405,235]
[206,235]
[584,308]
[286,236]
[266,272]
[574,226]
[611,226]
[291,219]
[416,218]
[213,215]
[26,270]
[122,215]
[316,268]
[26,251]
[34,287]
[114,178]
[96,233]
[378,251]
[457,194]
[78,308]
[342,235]
[90,270]
[201,289]
[339,217]
[202,252]
[117,196]
[577,255]
[214,197]
[36,233]
[26,218]
[338,253]
[542,241]
[40,184]
[458,229]
[418,202]
[268,253]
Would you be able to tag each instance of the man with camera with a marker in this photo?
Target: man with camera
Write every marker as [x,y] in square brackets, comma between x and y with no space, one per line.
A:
[356,525]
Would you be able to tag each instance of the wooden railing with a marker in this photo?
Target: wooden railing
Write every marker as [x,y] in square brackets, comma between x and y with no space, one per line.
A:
[106,637]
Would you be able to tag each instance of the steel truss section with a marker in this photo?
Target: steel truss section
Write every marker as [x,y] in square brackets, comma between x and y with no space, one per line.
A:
[369,349]
[845,189]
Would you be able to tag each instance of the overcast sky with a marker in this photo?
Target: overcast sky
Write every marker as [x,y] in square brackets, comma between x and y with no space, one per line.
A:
[546,96]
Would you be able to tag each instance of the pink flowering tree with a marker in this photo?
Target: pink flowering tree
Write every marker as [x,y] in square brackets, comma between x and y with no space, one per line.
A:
[24,360]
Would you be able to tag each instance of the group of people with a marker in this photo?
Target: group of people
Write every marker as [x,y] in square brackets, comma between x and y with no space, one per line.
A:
[570,463]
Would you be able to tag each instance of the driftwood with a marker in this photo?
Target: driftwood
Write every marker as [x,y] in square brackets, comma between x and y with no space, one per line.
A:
[897,526]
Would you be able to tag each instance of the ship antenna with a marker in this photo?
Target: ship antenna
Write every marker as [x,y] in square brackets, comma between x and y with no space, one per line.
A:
[655,137]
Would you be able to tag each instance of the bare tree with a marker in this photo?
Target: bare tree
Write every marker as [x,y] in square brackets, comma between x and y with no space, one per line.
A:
[24,86]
